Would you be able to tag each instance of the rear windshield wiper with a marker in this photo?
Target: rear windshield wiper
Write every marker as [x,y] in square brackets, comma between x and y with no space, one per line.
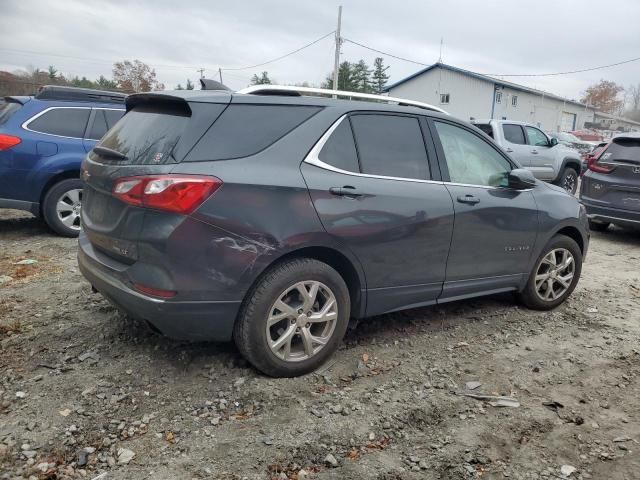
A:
[110,153]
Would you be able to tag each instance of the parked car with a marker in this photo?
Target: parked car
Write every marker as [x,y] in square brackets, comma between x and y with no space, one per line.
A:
[571,141]
[43,140]
[610,189]
[587,135]
[535,151]
[273,218]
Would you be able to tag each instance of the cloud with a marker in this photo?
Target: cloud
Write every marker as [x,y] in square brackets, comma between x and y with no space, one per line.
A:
[177,38]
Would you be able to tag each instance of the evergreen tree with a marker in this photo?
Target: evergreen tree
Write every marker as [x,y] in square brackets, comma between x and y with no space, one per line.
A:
[189,85]
[380,77]
[53,72]
[263,79]
[179,87]
[104,83]
[361,74]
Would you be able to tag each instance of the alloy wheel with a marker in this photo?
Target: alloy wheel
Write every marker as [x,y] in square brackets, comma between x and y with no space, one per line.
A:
[301,321]
[69,207]
[554,274]
[569,183]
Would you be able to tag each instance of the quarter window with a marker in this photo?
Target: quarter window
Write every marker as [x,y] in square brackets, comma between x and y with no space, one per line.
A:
[340,149]
[536,137]
[513,134]
[65,122]
[391,146]
[470,159]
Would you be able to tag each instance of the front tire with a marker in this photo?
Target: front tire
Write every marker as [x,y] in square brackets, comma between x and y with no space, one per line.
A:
[555,274]
[569,180]
[294,319]
[61,207]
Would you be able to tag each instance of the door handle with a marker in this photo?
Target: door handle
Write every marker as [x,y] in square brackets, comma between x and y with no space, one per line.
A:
[345,191]
[508,150]
[470,199]
[534,151]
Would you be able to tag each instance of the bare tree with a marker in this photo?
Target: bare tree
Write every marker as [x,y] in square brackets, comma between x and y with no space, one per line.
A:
[135,76]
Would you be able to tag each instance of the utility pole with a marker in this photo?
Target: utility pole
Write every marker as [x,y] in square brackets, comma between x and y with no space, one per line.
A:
[201,72]
[336,64]
[220,73]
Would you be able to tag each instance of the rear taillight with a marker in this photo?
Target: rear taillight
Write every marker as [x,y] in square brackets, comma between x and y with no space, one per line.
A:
[156,292]
[594,166]
[170,193]
[8,141]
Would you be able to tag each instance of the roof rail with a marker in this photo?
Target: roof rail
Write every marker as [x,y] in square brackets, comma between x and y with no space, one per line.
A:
[298,91]
[56,92]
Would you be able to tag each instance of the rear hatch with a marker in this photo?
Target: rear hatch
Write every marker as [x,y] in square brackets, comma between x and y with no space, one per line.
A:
[617,183]
[157,131]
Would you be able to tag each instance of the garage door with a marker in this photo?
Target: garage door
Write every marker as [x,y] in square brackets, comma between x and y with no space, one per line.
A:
[568,123]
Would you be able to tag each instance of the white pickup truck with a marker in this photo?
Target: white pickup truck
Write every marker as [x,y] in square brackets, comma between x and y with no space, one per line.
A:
[534,150]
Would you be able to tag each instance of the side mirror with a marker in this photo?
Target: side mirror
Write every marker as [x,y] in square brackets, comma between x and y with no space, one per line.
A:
[553,142]
[521,179]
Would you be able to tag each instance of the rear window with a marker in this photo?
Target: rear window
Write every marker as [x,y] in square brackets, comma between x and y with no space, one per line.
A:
[65,122]
[7,109]
[147,134]
[622,149]
[244,130]
[514,134]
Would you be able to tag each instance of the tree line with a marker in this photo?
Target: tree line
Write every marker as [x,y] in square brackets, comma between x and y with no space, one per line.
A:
[609,97]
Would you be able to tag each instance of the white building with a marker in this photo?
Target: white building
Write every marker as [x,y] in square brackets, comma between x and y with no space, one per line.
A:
[611,122]
[467,95]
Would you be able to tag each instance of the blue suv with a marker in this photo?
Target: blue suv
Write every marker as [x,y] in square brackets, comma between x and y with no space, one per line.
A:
[43,140]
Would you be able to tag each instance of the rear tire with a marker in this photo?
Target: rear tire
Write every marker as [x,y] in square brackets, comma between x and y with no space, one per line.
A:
[61,207]
[597,226]
[549,284]
[291,343]
[568,180]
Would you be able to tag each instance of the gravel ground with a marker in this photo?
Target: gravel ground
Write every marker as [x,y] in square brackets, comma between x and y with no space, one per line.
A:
[87,393]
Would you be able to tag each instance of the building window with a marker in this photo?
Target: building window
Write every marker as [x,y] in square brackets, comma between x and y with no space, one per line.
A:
[514,101]
[444,98]
[498,97]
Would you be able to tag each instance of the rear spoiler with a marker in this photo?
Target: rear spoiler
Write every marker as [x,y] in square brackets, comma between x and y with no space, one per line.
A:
[16,99]
[159,100]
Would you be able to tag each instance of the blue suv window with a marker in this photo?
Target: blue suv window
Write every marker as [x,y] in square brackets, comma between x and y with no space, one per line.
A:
[7,109]
[103,120]
[65,122]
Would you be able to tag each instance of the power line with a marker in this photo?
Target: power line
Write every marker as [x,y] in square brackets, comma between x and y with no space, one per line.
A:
[385,53]
[590,69]
[283,56]
[582,70]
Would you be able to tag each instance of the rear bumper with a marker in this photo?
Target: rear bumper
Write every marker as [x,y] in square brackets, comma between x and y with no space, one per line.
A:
[182,320]
[612,215]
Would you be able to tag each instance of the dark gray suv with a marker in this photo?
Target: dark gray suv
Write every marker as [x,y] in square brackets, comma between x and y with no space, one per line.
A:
[611,187]
[273,218]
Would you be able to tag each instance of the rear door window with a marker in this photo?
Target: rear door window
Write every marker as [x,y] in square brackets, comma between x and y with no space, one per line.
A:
[244,130]
[485,127]
[513,134]
[64,122]
[390,145]
[147,134]
[340,150]
[623,150]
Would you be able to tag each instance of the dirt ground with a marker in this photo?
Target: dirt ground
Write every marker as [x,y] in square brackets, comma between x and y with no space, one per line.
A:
[87,393]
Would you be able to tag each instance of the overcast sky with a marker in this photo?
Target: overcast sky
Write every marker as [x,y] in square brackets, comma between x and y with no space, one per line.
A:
[85,37]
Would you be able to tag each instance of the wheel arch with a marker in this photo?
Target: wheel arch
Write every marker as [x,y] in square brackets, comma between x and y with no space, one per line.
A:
[58,177]
[571,162]
[344,263]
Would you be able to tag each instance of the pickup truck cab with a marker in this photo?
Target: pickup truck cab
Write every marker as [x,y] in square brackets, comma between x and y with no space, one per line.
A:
[534,150]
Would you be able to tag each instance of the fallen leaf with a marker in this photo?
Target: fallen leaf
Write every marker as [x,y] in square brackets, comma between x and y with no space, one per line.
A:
[169,436]
[65,413]
[365,357]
